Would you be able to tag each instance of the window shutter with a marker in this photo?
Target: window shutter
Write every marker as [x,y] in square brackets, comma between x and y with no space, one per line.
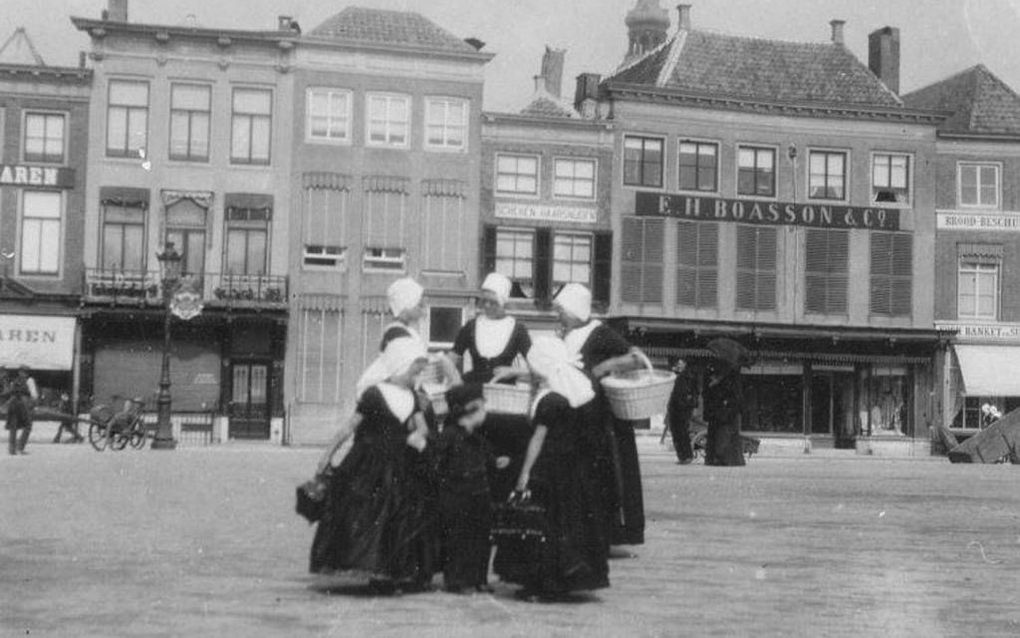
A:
[708,265]
[839,268]
[767,248]
[825,271]
[881,269]
[488,250]
[603,267]
[542,265]
[816,253]
[630,256]
[687,260]
[901,264]
[654,251]
[747,248]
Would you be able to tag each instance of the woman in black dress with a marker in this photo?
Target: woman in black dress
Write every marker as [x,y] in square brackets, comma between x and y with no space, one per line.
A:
[556,474]
[724,402]
[486,348]
[375,520]
[602,351]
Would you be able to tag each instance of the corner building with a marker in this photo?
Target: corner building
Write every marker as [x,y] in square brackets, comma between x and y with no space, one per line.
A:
[778,193]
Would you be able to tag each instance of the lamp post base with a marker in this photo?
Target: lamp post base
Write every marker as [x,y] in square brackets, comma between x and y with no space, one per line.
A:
[163,444]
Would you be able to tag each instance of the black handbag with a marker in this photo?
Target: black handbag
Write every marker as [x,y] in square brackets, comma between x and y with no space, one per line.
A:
[311,497]
[519,519]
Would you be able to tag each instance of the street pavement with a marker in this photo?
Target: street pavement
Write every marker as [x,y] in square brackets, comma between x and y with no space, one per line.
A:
[204,542]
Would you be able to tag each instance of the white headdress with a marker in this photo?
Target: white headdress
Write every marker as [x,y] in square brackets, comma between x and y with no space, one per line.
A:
[576,300]
[498,285]
[404,294]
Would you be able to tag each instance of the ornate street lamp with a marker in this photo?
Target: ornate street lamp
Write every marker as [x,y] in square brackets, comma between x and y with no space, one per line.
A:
[170,272]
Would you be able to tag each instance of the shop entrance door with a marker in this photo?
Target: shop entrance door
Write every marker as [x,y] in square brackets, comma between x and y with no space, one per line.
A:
[832,405]
[249,400]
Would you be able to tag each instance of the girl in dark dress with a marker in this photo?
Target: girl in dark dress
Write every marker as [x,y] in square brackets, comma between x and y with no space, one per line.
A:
[374,521]
[602,351]
[556,475]
[486,348]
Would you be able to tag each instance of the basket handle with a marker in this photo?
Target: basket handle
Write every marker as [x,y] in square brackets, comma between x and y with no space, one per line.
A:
[643,358]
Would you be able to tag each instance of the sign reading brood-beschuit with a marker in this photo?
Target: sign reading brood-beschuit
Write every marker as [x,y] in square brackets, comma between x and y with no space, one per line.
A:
[769,213]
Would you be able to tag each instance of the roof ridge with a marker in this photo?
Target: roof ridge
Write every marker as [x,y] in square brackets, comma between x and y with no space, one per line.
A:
[981,68]
[644,56]
[666,72]
[945,80]
[724,34]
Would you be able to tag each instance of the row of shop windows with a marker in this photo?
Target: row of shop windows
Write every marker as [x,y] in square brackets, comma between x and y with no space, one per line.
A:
[826,267]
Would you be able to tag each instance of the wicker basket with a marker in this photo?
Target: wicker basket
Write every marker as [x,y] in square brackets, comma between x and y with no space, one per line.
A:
[632,401]
[507,399]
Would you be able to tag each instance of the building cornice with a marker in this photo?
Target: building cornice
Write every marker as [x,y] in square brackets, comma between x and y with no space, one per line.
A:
[99,29]
[979,137]
[327,42]
[57,73]
[490,117]
[664,95]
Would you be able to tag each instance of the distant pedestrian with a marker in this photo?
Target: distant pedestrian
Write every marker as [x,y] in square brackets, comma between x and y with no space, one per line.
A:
[68,422]
[682,402]
[724,403]
[23,395]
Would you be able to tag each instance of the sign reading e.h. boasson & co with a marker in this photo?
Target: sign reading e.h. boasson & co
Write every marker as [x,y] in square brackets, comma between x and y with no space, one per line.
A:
[766,212]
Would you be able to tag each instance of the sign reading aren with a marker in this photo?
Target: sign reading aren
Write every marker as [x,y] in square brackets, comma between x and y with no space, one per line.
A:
[765,212]
[36,341]
[18,175]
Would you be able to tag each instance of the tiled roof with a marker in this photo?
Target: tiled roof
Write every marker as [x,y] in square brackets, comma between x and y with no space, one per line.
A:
[545,107]
[759,69]
[390,27]
[979,102]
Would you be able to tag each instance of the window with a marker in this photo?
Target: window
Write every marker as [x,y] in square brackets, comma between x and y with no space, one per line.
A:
[978,296]
[326,216]
[251,126]
[698,166]
[642,256]
[756,171]
[444,324]
[186,228]
[574,179]
[446,121]
[443,231]
[389,118]
[572,259]
[827,175]
[44,137]
[324,256]
[642,161]
[329,115]
[247,240]
[123,237]
[190,108]
[517,174]
[320,355]
[756,267]
[826,271]
[697,278]
[891,270]
[515,257]
[979,185]
[890,178]
[127,118]
[391,259]
[40,232]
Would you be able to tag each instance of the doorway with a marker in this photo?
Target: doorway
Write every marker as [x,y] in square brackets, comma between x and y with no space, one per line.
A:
[832,403]
[249,400]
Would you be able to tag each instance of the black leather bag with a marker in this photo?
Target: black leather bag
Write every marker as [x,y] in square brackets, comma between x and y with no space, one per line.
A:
[519,519]
[311,497]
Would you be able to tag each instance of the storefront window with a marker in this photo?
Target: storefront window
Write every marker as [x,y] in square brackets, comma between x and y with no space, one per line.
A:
[885,400]
[774,399]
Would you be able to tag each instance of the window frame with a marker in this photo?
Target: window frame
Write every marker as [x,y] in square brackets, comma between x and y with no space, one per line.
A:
[369,119]
[910,179]
[376,263]
[339,259]
[594,177]
[249,161]
[847,158]
[998,166]
[190,113]
[445,147]
[591,257]
[976,265]
[518,193]
[64,142]
[127,151]
[441,345]
[662,162]
[233,223]
[310,137]
[775,170]
[698,142]
[103,222]
[22,218]
[532,233]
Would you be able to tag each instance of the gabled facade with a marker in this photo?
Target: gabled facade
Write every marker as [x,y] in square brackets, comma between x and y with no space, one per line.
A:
[386,141]
[977,257]
[778,193]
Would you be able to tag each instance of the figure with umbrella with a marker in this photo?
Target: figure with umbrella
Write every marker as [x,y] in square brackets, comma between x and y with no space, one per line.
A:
[724,402]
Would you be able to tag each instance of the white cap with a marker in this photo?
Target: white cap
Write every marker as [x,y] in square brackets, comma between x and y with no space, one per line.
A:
[576,300]
[498,285]
[404,294]
[400,353]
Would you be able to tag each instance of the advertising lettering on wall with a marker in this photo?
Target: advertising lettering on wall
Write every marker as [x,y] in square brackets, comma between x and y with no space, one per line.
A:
[977,331]
[18,175]
[543,213]
[768,213]
[38,342]
[978,221]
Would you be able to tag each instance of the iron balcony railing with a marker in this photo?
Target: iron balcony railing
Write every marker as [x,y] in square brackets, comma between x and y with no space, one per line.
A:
[102,284]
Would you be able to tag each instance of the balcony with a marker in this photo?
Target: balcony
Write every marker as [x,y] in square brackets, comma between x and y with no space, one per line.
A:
[221,290]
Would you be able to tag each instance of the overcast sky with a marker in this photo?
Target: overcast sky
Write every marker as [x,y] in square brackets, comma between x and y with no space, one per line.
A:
[939,37]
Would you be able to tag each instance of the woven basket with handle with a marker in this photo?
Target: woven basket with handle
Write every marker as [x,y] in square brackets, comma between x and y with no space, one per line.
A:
[639,394]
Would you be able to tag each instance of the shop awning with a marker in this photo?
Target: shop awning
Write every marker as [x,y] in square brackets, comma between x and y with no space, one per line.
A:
[989,371]
[36,341]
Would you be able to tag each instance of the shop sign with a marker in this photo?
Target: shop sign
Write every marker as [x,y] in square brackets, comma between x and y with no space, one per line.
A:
[18,175]
[544,213]
[957,220]
[186,304]
[36,341]
[979,331]
[767,213]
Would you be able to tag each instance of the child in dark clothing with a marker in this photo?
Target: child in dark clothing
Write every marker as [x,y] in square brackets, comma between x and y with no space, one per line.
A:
[463,461]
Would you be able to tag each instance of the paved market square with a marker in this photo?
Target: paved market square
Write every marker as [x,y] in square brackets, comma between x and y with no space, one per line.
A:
[204,542]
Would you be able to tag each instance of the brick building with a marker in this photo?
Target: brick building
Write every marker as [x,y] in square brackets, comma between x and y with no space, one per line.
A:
[189,144]
[386,145]
[778,193]
[44,113]
[977,253]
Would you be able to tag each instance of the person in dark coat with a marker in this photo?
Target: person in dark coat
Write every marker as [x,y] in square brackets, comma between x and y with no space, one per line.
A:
[464,461]
[682,401]
[68,422]
[724,402]
[22,394]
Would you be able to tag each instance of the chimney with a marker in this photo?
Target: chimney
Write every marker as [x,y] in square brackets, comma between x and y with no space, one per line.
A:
[586,94]
[552,71]
[117,10]
[884,56]
[837,31]
[283,23]
[684,20]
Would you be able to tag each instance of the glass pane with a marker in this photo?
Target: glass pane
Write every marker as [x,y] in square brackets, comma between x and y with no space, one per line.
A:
[398,133]
[116,129]
[707,152]
[561,249]
[236,252]
[112,237]
[766,182]
[318,102]
[745,157]
[259,375]
[561,272]
[745,181]
[260,139]
[989,195]
[582,249]
[527,185]
[41,204]
[835,164]
[35,125]
[879,175]
[49,249]
[194,253]
[240,138]
[455,136]
[585,170]
[240,385]
[133,247]
[898,176]
[817,163]
[185,212]
[988,176]
[256,252]
[766,159]
[632,143]
[179,134]
[190,96]
[398,110]
[31,237]
[252,101]
[527,165]
[581,273]
[129,93]
[137,125]
[200,135]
